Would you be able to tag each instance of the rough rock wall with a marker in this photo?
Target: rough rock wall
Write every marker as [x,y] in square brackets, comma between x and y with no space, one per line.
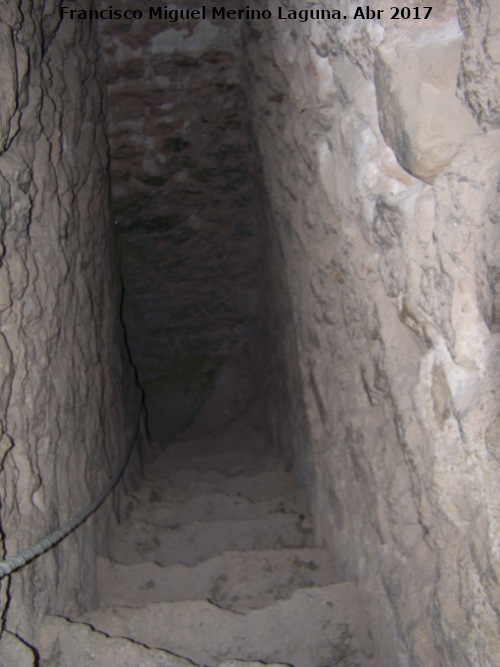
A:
[64,384]
[382,181]
[183,198]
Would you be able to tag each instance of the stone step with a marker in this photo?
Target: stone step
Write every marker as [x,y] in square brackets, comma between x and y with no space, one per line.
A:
[68,644]
[230,463]
[64,643]
[236,580]
[211,507]
[215,468]
[183,484]
[316,627]
[140,541]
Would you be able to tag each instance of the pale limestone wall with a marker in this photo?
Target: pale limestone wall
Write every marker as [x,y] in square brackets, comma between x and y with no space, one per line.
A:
[67,398]
[382,190]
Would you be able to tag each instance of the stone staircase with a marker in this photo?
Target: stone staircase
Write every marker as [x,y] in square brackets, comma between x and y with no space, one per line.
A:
[214,564]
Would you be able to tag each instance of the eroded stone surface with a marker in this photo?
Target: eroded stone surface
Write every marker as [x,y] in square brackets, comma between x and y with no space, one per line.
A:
[386,311]
[250,603]
[420,115]
[65,643]
[479,79]
[240,581]
[64,385]
[316,626]
[15,652]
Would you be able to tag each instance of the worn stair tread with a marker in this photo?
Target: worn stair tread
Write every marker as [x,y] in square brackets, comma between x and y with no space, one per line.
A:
[64,643]
[181,475]
[230,463]
[317,626]
[234,580]
[261,485]
[212,507]
[214,560]
[139,541]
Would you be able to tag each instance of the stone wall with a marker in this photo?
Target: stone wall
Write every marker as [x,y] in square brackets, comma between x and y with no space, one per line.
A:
[68,400]
[382,210]
[184,208]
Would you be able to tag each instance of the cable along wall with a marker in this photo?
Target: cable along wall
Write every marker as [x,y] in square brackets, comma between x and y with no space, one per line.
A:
[66,383]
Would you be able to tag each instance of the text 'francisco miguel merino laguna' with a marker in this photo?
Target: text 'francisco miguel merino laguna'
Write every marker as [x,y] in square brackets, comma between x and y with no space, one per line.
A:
[166,14]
